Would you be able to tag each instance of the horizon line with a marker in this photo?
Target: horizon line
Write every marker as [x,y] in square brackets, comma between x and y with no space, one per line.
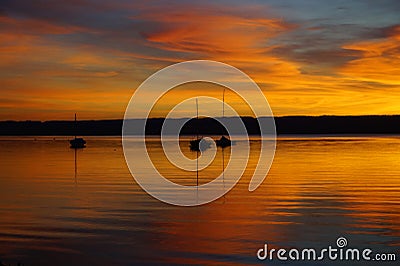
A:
[204,117]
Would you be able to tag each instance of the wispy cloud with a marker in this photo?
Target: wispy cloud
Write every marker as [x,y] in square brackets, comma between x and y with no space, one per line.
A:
[379,61]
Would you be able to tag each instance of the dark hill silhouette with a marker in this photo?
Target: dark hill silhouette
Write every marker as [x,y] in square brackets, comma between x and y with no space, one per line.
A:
[371,124]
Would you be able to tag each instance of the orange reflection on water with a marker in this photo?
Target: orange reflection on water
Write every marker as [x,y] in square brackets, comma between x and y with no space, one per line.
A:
[318,188]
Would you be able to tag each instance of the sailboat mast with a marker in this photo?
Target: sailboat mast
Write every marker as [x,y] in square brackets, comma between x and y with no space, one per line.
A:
[197,138]
[223,103]
[197,118]
[75,125]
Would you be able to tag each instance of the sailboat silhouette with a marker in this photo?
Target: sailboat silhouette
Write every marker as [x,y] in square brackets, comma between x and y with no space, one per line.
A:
[77,143]
[195,144]
[223,141]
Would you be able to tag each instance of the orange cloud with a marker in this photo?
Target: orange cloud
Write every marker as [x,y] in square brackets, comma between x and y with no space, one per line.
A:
[380,61]
[215,34]
[234,38]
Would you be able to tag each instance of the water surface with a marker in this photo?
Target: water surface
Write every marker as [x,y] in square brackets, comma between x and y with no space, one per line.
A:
[318,189]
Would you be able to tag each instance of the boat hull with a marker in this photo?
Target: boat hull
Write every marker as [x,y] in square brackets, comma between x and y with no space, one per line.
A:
[77,143]
[223,142]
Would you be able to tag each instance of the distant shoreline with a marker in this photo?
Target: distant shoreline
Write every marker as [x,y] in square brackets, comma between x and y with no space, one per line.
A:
[286,125]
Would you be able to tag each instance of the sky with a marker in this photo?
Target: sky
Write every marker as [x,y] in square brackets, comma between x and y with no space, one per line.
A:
[308,57]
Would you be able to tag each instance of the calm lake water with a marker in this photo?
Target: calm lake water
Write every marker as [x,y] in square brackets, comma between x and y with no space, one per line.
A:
[318,189]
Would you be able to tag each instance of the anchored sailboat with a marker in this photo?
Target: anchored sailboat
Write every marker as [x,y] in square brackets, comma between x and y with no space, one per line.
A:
[223,141]
[195,144]
[77,143]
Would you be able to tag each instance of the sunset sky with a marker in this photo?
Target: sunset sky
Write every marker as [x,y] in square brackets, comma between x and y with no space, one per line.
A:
[309,57]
